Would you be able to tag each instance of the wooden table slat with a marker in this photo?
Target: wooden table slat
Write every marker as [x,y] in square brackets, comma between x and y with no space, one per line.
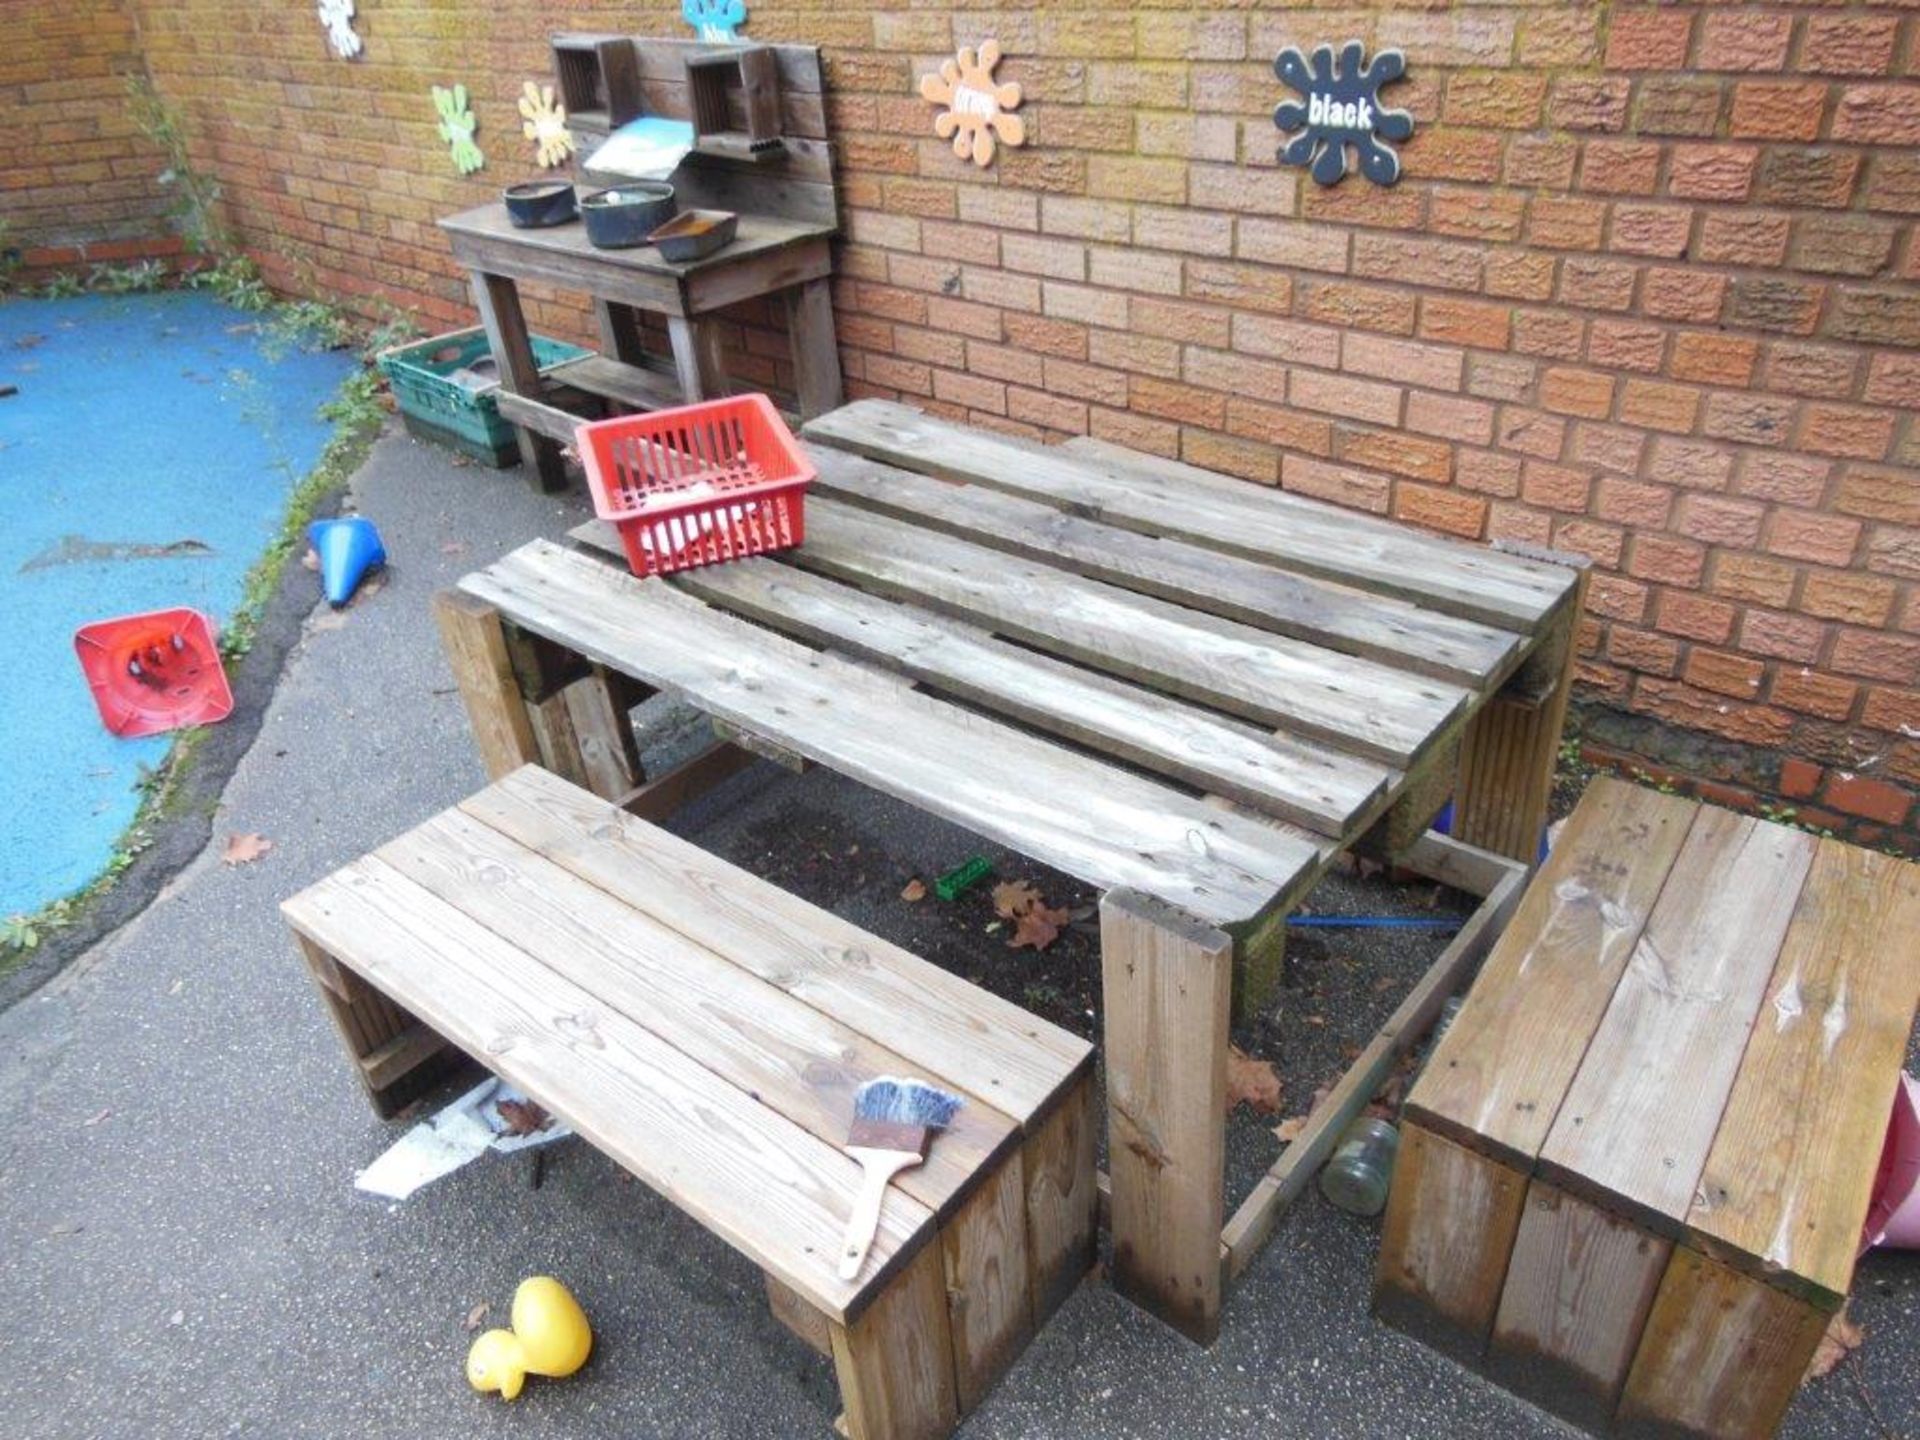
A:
[1107,826]
[802,1062]
[1641,1113]
[759,1181]
[1499,1074]
[1351,704]
[1312,785]
[937,1021]
[1302,607]
[1470,581]
[1791,1169]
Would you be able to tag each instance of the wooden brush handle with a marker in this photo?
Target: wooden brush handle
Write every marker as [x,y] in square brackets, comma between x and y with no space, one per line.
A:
[880,1166]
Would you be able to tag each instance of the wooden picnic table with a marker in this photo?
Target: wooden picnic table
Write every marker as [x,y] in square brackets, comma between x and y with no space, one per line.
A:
[1183,689]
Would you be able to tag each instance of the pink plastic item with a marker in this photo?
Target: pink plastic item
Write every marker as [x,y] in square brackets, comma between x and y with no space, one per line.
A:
[1893,1219]
[155,672]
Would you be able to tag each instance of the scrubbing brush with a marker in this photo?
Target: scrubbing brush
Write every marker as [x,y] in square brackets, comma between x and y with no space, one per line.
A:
[893,1125]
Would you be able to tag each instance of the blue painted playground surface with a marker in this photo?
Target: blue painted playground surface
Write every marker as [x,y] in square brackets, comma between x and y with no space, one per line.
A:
[145,463]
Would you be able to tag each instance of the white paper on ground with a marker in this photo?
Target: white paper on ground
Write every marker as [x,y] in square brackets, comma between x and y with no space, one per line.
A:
[462,1132]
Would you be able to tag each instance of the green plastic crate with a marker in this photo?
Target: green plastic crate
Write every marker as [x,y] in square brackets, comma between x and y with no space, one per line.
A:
[441,409]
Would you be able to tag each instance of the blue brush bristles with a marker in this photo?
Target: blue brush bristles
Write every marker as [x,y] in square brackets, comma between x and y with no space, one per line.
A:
[905,1102]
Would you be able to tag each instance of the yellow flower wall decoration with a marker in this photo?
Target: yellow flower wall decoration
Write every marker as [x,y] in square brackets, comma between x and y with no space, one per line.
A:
[978,110]
[545,124]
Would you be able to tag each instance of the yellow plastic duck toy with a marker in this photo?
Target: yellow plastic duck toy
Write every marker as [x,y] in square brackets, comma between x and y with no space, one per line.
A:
[549,1337]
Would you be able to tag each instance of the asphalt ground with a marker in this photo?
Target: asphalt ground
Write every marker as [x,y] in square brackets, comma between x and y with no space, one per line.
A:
[186,1256]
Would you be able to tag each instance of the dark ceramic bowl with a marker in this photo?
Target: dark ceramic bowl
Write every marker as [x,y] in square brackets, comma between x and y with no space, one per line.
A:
[539,203]
[624,216]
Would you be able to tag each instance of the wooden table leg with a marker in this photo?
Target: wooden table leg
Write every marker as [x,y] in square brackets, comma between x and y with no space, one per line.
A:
[475,640]
[816,351]
[497,298]
[395,1056]
[696,357]
[895,1362]
[1168,983]
[1512,747]
[619,332]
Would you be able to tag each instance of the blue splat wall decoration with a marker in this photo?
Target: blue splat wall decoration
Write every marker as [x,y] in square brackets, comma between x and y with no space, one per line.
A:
[1341,107]
[717,22]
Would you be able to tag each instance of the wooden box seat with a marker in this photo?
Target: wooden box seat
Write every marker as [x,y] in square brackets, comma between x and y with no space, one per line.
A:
[707,1031]
[1633,1176]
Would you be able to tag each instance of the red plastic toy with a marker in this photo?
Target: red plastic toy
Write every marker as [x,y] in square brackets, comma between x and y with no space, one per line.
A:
[698,484]
[155,672]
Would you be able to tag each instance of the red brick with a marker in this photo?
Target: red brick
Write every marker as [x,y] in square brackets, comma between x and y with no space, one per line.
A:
[1576,392]
[1830,246]
[1716,520]
[1486,472]
[1693,709]
[1712,358]
[1802,369]
[1565,222]
[1740,39]
[1561,36]
[1642,650]
[1518,274]
[1501,99]
[1660,231]
[1695,617]
[1273,425]
[1877,656]
[1626,345]
[1294,245]
[1711,172]
[1821,178]
[1446,264]
[1345,397]
[1726,674]
[1677,105]
[1680,294]
[1869,798]
[1645,507]
[1611,447]
[1880,495]
[1649,39]
[1556,487]
[1823,539]
[1456,321]
[1476,214]
[1255,462]
[1777,110]
[1589,103]
[1849,44]
[1349,305]
[1789,479]
[1810,693]
[1748,418]
[1532,432]
[1769,303]
[1897,710]
[1602,544]
[1591,283]
[1450,417]
[1753,578]
[1398,452]
[1659,406]
[1289,340]
[1544,161]
[1799,779]
[1876,317]
[1878,115]
[1617,598]
[1666,561]
[1894,380]
[1852,598]
[1445,510]
[1341,484]
[1236,374]
[1845,430]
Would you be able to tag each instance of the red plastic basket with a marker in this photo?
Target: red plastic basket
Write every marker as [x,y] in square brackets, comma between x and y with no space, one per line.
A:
[697,485]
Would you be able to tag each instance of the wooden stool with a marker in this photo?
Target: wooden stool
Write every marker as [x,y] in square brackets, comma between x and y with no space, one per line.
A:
[1634,1172]
[707,1031]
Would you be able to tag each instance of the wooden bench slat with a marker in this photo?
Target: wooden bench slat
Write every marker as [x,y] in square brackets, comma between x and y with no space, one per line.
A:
[1303,607]
[1642,1110]
[1499,1074]
[936,1020]
[763,1184]
[1287,530]
[753,1037]
[1107,826]
[1351,704]
[1793,1163]
[632,385]
[1294,780]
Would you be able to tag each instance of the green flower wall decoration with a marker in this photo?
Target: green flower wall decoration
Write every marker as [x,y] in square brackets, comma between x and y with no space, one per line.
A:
[457,126]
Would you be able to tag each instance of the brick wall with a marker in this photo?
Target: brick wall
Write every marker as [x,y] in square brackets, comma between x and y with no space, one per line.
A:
[77,183]
[1649,291]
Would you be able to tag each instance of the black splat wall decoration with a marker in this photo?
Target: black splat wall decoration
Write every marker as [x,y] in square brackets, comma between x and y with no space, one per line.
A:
[1341,108]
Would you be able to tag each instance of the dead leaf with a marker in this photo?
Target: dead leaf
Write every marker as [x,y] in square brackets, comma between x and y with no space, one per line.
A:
[96,1118]
[1013,898]
[915,891]
[330,620]
[477,1316]
[1037,926]
[1251,1082]
[1843,1337]
[176,987]
[244,849]
[454,547]
[1313,1019]
[1289,1130]
[66,1227]
[310,560]
[523,1117]
[27,342]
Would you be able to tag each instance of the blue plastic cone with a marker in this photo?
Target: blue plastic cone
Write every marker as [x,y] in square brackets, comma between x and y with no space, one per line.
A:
[349,549]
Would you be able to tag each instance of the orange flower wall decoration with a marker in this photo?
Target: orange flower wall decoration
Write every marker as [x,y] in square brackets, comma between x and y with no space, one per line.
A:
[978,110]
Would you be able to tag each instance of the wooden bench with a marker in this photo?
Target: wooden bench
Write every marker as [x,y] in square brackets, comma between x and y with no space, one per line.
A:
[707,1031]
[1633,1176]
